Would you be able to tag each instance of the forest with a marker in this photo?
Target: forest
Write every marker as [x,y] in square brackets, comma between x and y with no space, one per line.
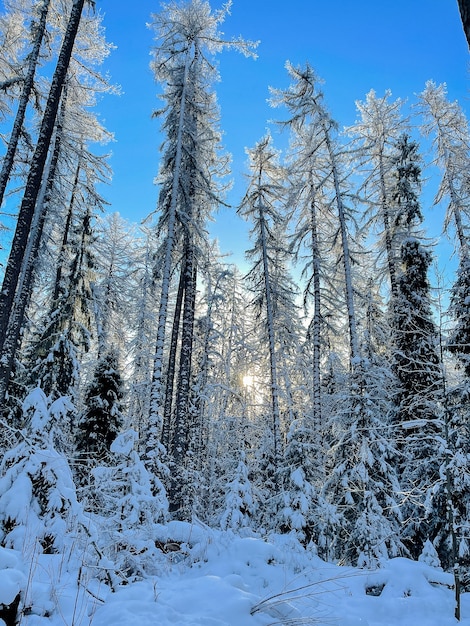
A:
[145,382]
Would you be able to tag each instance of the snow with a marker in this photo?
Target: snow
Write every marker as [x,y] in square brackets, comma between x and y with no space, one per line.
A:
[217,578]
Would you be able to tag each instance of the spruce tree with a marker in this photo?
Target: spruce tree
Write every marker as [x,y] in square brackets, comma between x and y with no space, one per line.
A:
[102,418]
[417,364]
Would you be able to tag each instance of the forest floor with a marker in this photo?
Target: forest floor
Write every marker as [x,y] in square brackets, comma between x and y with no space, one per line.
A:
[212,578]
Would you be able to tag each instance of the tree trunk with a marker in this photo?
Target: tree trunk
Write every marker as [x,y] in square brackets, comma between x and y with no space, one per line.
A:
[156,393]
[26,280]
[171,370]
[391,261]
[36,172]
[180,439]
[464,6]
[316,322]
[276,419]
[28,83]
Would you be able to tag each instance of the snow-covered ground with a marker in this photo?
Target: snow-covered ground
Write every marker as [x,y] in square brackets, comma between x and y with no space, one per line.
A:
[213,578]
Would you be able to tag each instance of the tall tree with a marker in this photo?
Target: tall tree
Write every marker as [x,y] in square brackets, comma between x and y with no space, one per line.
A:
[261,206]
[38,31]
[304,100]
[18,260]
[375,134]
[446,123]
[188,39]
[417,364]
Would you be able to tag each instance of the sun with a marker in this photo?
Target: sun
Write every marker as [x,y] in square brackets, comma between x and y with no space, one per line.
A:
[248,380]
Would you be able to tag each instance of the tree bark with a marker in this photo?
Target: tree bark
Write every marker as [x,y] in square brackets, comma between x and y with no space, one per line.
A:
[171,370]
[180,439]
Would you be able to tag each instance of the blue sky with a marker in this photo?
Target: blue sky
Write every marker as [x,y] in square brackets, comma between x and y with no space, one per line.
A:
[355,45]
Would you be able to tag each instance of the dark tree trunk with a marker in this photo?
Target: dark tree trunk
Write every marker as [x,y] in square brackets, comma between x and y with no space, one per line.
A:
[28,83]
[22,297]
[316,322]
[464,6]
[180,439]
[36,172]
[171,370]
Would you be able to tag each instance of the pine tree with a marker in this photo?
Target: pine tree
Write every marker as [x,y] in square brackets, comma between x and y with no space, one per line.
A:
[131,504]
[239,505]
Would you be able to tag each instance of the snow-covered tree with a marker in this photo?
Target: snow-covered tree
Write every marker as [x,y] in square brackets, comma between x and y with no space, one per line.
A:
[375,135]
[39,511]
[102,418]
[261,206]
[60,152]
[188,38]
[18,256]
[239,506]
[131,502]
[417,364]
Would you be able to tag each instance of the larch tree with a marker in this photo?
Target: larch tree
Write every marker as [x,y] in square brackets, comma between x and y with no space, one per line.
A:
[143,323]
[261,206]
[38,28]
[17,284]
[375,134]
[114,241]
[38,164]
[446,123]
[304,100]
[188,39]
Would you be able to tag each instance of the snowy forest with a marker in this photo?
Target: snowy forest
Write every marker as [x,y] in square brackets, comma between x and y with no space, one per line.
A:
[148,387]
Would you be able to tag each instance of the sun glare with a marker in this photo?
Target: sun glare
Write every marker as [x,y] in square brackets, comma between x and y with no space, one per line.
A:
[248,380]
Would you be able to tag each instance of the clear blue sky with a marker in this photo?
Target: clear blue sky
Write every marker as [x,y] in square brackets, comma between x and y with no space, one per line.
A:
[355,45]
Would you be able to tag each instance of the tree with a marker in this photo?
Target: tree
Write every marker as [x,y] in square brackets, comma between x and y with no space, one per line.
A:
[239,504]
[38,30]
[64,333]
[143,323]
[27,231]
[102,418]
[260,205]
[376,133]
[46,514]
[188,39]
[464,8]
[417,365]
[447,124]
[114,267]
[304,101]
[129,500]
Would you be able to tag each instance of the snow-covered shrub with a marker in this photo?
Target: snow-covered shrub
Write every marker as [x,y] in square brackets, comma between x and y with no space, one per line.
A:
[133,503]
[239,505]
[38,504]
